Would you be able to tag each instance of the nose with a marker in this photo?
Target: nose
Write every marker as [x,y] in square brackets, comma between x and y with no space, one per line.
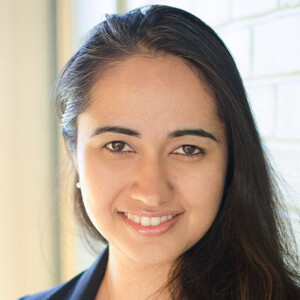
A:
[151,184]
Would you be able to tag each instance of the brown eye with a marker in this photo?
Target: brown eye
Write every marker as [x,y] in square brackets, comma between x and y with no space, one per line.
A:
[189,149]
[116,146]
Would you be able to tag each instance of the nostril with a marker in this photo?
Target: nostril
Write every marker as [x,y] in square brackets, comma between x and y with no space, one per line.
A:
[152,194]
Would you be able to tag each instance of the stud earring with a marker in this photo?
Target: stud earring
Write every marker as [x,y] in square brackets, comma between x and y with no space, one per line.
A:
[78,185]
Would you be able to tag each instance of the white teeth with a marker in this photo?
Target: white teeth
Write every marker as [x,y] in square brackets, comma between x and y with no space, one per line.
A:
[164,219]
[155,221]
[137,219]
[147,221]
[130,217]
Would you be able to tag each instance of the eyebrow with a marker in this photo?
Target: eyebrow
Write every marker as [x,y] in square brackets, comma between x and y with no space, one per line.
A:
[177,133]
[197,132]
[116,129]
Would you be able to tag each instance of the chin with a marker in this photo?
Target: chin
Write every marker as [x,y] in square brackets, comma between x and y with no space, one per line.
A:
[153,254]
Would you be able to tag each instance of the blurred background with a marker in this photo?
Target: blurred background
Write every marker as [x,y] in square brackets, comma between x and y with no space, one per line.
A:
[40,244]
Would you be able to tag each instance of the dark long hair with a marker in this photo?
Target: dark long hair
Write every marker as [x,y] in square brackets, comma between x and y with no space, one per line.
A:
[246,253]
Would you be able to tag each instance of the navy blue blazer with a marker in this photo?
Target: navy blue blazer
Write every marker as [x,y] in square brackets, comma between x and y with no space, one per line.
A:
[82,287]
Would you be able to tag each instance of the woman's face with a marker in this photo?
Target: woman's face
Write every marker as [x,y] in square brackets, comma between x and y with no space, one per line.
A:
[152,158]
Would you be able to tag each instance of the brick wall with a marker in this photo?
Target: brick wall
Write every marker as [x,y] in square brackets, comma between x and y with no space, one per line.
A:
[264,38]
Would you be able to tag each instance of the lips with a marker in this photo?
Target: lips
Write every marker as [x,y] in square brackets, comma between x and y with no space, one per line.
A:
[148,221]
[150,224]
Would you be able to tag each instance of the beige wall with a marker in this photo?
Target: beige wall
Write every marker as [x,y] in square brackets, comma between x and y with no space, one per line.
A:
[27,155]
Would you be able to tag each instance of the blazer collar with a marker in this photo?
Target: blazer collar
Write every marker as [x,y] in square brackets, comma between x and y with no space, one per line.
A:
[88,284]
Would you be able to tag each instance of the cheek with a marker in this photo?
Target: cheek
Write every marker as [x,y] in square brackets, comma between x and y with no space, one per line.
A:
[205,196]
[203,184]
[101,185]
[202,193]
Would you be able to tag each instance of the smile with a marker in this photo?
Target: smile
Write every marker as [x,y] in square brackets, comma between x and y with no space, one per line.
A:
[147,225]
[148,221]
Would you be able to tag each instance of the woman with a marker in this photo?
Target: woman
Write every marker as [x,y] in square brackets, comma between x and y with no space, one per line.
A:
[169,167]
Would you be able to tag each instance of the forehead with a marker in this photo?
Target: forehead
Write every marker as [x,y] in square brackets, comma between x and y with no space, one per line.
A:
[165,89]
[167,66]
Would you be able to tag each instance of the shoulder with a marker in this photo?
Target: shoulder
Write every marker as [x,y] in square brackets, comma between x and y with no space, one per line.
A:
[83,286]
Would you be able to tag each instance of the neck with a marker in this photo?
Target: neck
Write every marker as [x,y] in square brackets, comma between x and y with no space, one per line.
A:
[126,279]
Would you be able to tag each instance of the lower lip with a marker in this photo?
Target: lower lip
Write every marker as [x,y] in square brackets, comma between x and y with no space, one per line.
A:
[151,230]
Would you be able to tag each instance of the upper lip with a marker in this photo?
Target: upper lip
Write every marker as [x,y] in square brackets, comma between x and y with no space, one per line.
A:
[151,214]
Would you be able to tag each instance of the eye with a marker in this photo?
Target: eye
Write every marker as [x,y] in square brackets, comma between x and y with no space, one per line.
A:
[188,150]
[118,146]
